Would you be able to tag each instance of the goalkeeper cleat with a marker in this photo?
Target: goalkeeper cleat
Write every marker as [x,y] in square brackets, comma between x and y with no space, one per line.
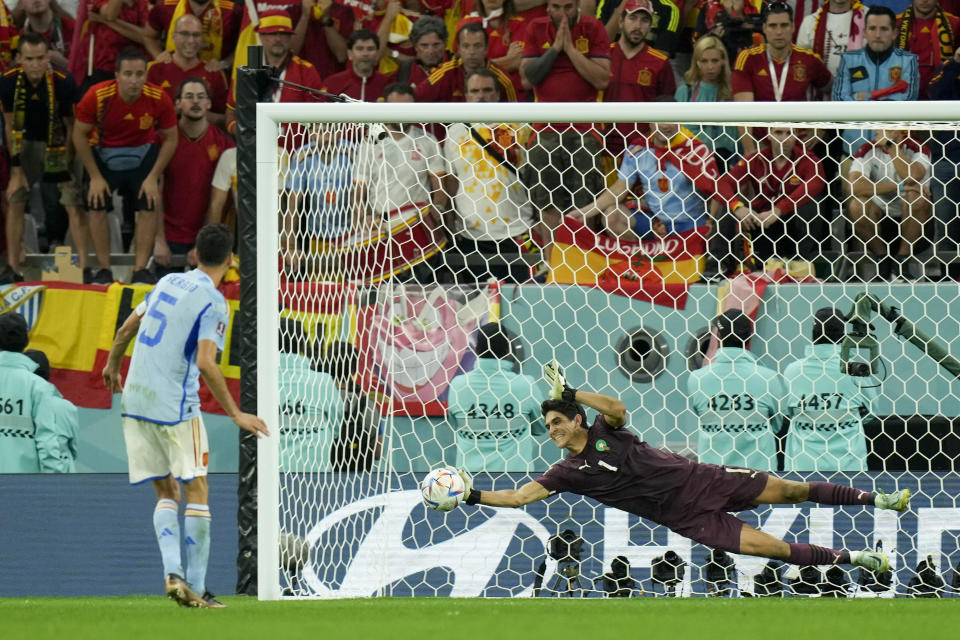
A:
[870,560]
[896,501]
[180,592]
[212,601]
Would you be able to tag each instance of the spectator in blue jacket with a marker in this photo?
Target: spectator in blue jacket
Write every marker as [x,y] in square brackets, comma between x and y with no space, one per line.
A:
[878,71]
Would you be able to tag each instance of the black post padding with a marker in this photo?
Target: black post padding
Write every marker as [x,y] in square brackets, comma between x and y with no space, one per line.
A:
[252,85]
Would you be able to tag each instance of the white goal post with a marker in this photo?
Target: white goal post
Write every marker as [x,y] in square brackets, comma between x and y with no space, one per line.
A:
[322,494]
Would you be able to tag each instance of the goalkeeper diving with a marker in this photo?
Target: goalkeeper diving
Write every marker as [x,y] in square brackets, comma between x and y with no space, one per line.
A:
[610,464]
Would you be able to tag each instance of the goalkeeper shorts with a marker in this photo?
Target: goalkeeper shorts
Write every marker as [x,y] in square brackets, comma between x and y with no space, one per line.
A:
[155,451]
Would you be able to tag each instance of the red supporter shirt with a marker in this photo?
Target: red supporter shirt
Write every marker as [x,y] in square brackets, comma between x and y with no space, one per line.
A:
[752,73]
[221,20]
[925,42]
[786,188]
[315,49]
[642,78]
[500,38]
[563,83]
[366,89]
[186,183]
[58,41]
[118,124]
[169,75]
[107,42]
[446,84]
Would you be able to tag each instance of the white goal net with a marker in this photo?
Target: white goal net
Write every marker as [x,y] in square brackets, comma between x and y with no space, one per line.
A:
[431,259]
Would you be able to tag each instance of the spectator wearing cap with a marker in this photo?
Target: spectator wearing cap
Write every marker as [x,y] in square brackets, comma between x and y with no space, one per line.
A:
[826,406]
[736,399]
[667,16]
[638,72]
[32,439]
[495,411]
[448,81]
[276,32]
[361,80]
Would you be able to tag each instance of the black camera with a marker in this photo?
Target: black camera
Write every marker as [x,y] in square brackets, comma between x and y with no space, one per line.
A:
[666,571]
[720,574]
[927,583]
[738,32]
[567,546]
[618,583]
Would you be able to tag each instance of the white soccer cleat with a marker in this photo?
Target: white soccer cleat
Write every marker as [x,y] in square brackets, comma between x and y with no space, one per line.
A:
[870,560]
[896,501]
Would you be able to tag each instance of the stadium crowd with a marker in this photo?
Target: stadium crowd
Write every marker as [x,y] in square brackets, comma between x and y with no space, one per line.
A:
[134,99]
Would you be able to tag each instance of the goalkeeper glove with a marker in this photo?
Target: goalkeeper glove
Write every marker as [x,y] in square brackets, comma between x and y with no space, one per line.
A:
[470,496]
[559,390]
[467,481]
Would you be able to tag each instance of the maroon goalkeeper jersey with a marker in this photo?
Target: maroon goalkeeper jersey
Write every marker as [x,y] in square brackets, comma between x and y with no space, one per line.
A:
[619,470]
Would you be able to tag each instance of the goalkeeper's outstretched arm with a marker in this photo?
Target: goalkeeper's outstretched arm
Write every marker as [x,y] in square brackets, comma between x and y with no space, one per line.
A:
[530,492]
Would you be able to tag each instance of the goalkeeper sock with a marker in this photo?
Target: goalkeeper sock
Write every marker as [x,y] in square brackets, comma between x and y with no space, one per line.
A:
[167,527]
[810,554]
[196,526]
[830,493]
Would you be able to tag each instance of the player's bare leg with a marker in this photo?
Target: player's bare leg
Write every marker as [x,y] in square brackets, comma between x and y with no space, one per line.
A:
[754,542]
[781,491]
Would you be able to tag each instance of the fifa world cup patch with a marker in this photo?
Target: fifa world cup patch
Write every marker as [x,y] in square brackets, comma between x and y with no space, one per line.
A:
[221,328]
[602,445]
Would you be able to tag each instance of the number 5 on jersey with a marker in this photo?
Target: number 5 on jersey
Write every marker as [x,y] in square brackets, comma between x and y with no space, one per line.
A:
[155,312]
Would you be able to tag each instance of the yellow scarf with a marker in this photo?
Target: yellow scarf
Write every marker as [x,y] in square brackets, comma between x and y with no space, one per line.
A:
[944,35]
[212,29]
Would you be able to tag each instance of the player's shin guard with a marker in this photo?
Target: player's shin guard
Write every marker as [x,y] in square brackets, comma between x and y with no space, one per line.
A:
[167,527]
[196,524]
[810,554]
[830,493]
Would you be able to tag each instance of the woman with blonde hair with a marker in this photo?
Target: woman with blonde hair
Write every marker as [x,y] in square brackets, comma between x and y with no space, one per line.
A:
[708,80]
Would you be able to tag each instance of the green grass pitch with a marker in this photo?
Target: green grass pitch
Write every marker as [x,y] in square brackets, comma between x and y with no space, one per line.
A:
[145,617]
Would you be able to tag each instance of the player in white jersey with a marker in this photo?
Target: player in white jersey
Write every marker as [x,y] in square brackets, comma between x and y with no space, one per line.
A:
[179,328]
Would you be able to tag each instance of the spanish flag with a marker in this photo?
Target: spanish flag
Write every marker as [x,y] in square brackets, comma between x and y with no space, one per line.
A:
[657,270]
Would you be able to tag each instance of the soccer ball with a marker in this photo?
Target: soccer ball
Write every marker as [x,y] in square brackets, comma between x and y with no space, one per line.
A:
[442,489]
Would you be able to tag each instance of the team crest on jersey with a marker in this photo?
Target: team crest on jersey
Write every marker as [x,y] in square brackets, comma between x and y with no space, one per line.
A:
[896,73]
[146,121]
[213,152]
[799,73]
[602,445]
[644,77]
[583,45]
